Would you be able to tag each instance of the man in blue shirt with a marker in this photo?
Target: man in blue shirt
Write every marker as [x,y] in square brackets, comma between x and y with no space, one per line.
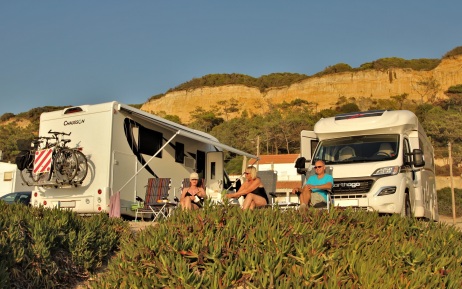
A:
[315,187]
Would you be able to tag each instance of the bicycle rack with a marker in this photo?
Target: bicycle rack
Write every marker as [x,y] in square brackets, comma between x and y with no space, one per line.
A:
[54,184]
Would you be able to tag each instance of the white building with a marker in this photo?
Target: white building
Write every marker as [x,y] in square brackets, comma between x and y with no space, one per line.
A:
[288,178]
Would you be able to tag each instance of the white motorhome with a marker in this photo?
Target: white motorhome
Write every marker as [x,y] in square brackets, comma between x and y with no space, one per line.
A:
[381,161]
[124,147]
[10,180]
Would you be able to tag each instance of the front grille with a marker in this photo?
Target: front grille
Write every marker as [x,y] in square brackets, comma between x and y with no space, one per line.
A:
[351,187]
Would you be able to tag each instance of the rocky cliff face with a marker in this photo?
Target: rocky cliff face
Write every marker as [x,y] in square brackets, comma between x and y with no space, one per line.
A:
[323,91]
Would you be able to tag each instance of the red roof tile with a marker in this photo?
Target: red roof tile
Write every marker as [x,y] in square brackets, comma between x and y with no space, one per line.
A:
[288,184]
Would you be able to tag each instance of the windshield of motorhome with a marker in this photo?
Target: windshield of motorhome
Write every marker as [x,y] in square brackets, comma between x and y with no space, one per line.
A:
[366,148]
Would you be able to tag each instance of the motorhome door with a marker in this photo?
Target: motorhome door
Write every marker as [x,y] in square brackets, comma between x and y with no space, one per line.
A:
[214,174]
[124,168]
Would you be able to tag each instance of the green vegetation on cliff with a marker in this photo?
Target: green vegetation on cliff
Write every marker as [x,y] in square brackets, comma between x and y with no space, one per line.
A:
[281,79]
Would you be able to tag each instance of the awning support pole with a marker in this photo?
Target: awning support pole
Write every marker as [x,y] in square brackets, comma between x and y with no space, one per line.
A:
[177,133]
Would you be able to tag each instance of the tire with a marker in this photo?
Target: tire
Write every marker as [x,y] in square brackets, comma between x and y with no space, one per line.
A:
[82,167]
[406,210]
[65,165]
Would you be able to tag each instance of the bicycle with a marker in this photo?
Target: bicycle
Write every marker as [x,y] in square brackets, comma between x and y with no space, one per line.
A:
[82,168]
[69,164]
[45,159]
[65,162]
[25,160]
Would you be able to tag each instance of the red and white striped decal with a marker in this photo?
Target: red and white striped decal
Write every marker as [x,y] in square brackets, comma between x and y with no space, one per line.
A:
[42,161]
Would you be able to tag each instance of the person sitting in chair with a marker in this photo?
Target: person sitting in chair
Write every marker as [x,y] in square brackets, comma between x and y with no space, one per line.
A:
[191,197]
[252,190]
[315,187]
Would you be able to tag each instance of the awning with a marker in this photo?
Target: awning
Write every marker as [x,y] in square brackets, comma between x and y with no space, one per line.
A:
[183,130]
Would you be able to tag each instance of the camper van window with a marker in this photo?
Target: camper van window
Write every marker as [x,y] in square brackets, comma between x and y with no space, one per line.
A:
[149,141]
[407,159]
[421,145]
[428,153]
[365,148]
[179,152]
[8,176]
[212,170]
[314,143]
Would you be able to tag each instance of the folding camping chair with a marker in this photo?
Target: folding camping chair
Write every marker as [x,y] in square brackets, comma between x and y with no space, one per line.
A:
[306,173]
[269,180]
[156,199]
[329,170]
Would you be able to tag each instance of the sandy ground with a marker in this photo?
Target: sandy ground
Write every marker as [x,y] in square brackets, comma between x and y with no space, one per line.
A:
[136,226]
[450,220]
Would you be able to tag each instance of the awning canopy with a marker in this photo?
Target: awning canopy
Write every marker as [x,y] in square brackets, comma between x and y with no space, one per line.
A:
[183,130]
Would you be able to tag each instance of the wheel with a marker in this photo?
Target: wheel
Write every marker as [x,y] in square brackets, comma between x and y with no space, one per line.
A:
[65,165]
[406,210]
[82,167]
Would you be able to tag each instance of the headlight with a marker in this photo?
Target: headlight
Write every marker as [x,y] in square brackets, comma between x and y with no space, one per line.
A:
[386,171]
[386,191]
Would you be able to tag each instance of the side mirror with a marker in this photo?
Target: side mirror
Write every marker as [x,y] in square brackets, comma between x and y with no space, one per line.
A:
[300,165]
[418,158]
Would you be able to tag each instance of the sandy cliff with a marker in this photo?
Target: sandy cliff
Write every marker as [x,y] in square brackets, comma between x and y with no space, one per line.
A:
[324,90]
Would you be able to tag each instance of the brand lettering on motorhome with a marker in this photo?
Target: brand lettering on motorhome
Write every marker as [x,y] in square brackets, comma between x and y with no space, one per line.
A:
[351,185]
[72,122]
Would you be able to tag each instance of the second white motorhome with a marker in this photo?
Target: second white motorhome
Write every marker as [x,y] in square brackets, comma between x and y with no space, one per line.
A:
[10,180]
[381,160]
[124,147]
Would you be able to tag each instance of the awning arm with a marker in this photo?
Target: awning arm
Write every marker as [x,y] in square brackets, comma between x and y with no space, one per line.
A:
[177,133]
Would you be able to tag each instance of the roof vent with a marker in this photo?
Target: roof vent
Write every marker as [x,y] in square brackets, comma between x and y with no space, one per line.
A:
[361,114]
[73,110]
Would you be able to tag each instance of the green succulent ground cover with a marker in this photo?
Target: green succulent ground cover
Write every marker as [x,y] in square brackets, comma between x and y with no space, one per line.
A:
[44,248]
[224,247]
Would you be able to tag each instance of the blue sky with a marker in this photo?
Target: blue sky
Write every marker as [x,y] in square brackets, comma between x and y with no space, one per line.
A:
[62,52]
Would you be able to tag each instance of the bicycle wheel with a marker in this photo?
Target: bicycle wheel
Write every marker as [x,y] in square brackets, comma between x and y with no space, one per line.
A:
[65,165]
[82,167]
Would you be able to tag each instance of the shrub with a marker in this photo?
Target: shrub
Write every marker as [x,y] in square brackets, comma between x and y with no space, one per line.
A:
[225,247]
[445,201]
[444,170]
[455,89]
[339,67]
[43,248]
[453,52]
[6,116]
